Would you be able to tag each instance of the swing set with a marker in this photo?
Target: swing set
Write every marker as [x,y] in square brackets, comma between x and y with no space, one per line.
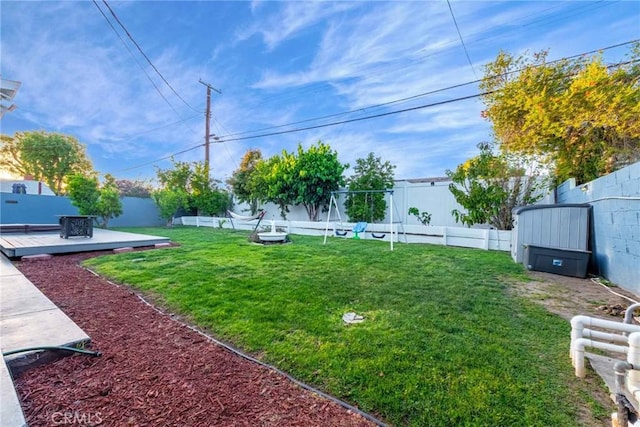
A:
[361,227]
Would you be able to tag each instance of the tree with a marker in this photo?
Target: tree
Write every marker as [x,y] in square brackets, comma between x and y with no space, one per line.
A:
[580,116]
[272,181]
[134,188]
[241,181]
[317,172]
[168,202]
[48,157]
[490,185]
[301,178]
[206,197]
[188,186]
[84,193]
[92,199]
[176,180]
[370,174]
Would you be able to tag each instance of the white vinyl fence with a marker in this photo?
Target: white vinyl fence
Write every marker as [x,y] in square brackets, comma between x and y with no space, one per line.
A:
[487,239]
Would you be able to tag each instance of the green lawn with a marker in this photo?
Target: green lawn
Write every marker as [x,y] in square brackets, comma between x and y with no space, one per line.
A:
[444,341]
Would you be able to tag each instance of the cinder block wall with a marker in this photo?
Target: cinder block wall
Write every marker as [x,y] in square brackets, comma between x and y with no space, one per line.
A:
[615,239]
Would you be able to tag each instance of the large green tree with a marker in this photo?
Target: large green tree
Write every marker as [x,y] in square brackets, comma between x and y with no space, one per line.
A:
[188,186]
[490,185]
[272,181]
[48,157]
[370,173]
[206,196]
[241,181]
[304,177]
[91,198]
[168,202]
[579,115]
[316,174]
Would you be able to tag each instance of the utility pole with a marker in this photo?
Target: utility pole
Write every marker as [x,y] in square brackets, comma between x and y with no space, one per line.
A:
[207,136]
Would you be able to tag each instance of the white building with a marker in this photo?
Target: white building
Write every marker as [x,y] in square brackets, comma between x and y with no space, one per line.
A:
[25,186]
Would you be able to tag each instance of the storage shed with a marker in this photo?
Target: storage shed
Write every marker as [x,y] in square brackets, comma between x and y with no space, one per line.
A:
[554,227]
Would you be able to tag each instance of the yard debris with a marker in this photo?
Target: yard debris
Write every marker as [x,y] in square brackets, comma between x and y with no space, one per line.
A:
[613,310]
[155,371]
[352,318]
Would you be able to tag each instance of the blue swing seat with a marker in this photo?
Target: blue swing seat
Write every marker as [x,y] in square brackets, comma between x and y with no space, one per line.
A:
[359,228]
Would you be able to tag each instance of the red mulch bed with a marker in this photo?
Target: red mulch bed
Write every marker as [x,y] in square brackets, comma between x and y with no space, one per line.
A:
[153,370]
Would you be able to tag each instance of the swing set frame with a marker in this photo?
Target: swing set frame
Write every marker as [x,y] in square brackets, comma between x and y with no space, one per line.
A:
[333,204]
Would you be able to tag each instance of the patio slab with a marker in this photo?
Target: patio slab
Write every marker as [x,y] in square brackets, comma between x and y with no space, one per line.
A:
[10,411]
[27,319]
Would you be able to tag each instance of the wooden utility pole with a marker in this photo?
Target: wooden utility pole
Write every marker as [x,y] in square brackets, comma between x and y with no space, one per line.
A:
[207,136]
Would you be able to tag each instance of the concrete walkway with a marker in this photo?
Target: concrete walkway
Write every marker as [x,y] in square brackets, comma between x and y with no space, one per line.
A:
[27,319]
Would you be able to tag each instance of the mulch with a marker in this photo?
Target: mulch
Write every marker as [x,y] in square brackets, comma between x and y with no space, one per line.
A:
[154,371]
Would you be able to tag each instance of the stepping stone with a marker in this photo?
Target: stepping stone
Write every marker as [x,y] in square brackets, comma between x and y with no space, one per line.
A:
[123,250]
[39,257]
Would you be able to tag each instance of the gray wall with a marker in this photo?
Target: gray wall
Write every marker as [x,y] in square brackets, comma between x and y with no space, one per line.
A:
[615,238]
[35,209]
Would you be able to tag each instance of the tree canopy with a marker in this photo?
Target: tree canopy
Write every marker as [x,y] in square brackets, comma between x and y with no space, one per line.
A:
[370,173]
[47,157]
[317,172]
[579,115]
[271,181]
[189,186]
[490,185]
[91,198]
[135,188]
[300,178]
[241,182]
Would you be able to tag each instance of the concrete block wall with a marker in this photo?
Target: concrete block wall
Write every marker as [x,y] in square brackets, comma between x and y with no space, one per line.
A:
[615,233]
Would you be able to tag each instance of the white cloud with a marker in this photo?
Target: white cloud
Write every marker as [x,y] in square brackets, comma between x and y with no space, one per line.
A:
[291,18]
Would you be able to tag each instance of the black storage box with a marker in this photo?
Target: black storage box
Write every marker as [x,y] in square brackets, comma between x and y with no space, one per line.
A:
[566,262]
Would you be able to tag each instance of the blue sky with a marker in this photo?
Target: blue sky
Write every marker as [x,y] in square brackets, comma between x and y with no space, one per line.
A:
[279,62]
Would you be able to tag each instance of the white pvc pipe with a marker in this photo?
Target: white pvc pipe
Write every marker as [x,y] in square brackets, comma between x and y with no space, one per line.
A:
[633,376]
[579,323]
[578,351]
[604,336]
[582,337]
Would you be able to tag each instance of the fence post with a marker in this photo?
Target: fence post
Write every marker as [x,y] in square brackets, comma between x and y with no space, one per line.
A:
[486,239]
[444,236]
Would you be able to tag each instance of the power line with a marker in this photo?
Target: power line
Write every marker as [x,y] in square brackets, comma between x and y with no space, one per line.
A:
[420,95]
[315,127]
[162,158]
[130,137]
[222,139]
[319,86]
[461,40]
[389,113]
[145,56]
[136,60]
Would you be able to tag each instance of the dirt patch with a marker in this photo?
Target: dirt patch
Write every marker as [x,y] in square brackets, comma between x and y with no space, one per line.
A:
[568,297]
[153,370]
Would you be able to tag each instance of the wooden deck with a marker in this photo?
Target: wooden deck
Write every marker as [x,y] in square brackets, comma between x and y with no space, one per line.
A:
[20,244]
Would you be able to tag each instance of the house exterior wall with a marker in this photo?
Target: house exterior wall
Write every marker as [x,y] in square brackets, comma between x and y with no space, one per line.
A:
[615,230]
